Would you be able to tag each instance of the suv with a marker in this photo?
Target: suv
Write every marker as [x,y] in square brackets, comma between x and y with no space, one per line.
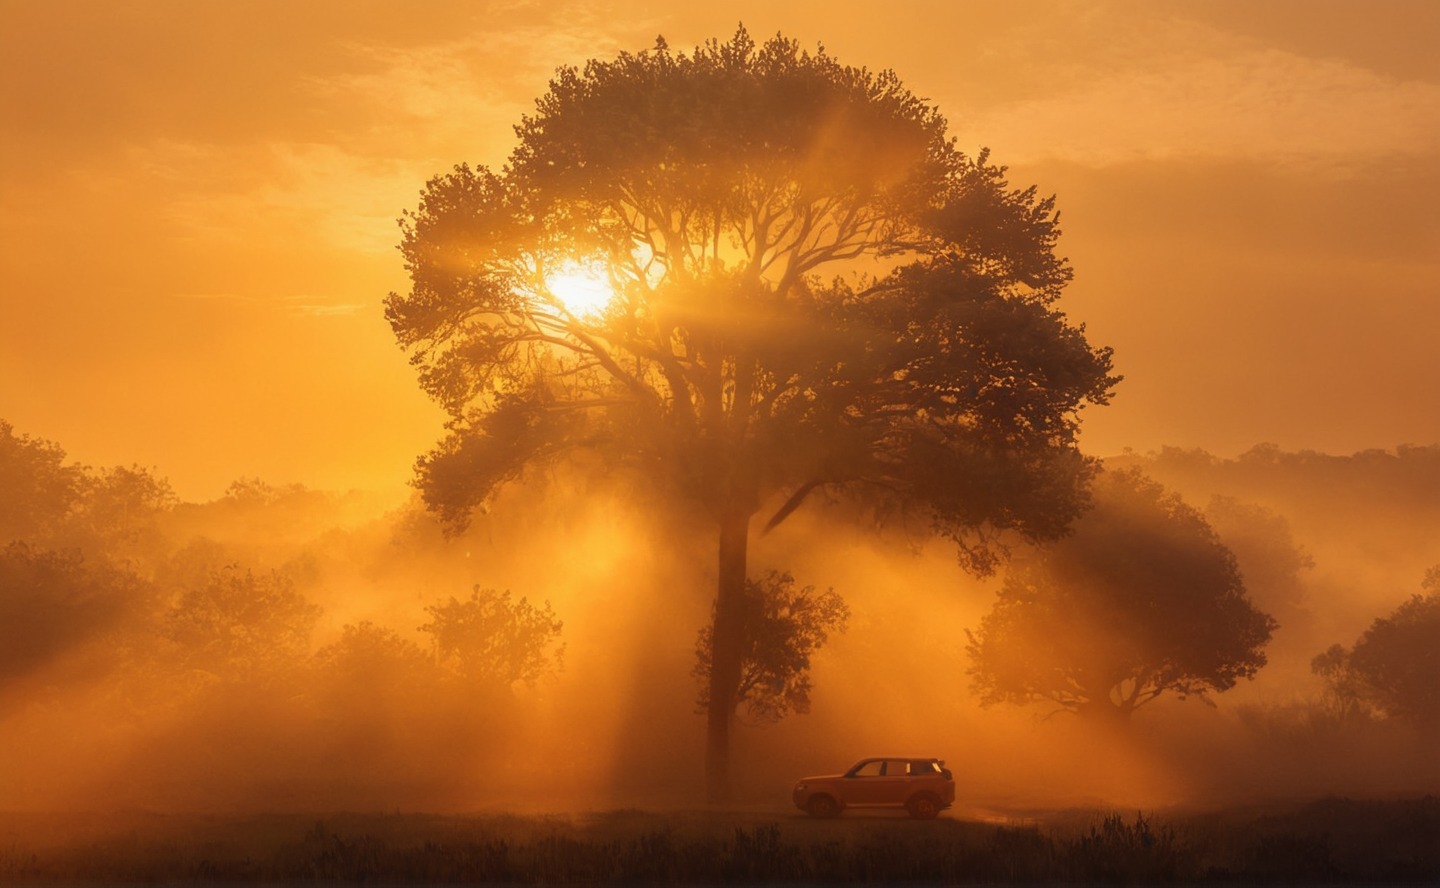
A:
[922,786]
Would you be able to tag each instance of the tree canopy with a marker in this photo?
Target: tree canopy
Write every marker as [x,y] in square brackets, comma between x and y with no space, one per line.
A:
[491,641]
[1394,667]
[53,504]
[809,286]
[53,602]
[1273,563]
[1141,600]
[242,627]
[39,488]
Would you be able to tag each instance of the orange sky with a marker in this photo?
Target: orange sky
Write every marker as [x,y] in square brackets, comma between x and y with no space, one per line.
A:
[198,204]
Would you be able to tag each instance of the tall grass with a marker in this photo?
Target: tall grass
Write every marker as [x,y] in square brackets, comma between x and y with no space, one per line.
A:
[1333,842]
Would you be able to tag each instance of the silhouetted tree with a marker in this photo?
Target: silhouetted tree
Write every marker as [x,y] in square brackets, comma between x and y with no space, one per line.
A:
[120,510]
[1270,560]
[488,640]
[1394,668]
[39,490]
[368,653]
[371,675]
[812,288]
[784,626]
[392,724]
[107,513]
[242,628]
[52,603]
[1142,599]
[1309,486]
[255,505]
[1345,697]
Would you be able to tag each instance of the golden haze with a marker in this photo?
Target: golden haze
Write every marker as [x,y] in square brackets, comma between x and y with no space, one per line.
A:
[198,213]
[197,208]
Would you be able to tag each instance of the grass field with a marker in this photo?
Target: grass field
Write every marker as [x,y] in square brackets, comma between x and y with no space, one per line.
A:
[1325,842]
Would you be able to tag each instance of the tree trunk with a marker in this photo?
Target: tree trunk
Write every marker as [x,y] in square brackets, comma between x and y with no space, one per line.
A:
[727,650]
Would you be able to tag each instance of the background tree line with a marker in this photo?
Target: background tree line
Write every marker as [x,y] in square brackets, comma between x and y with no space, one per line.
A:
[184,627]
[194,625]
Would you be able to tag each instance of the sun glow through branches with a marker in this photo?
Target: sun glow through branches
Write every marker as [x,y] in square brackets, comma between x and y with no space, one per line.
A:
[583,289]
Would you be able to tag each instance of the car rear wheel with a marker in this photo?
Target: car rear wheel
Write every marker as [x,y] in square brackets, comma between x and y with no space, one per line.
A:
[923,807]
[822,807]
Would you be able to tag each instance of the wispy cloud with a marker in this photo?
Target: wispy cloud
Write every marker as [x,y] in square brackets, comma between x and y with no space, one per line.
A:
[306,305]
[340,199]
[410,113]
[1155,86]
[459,98]
[342,310]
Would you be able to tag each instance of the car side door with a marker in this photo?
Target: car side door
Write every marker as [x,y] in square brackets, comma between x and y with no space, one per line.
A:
[864,783]
[897,783]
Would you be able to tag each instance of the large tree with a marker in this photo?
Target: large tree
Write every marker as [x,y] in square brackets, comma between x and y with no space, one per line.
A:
[1143,599]
[802,283]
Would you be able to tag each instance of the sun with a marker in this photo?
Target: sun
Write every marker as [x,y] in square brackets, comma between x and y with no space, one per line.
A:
[584,289]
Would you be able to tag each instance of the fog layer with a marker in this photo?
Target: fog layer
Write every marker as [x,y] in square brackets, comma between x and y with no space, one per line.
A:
[269,650]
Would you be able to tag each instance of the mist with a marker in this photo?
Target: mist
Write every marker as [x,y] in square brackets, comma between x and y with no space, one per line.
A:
[1088,506]
[132,682]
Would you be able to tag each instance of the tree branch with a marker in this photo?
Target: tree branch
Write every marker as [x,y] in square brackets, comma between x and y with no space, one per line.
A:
[791,504]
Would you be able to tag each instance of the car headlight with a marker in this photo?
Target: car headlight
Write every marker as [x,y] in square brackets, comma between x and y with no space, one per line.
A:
[800,787]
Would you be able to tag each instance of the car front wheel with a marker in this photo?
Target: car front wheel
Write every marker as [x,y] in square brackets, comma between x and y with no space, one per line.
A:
[823,807]
[923,807]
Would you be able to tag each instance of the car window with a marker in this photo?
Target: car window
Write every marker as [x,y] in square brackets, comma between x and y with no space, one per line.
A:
[923,769]
[869,769]
[895,768]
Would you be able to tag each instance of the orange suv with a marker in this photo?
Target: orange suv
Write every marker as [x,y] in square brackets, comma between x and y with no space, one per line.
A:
[922,786]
